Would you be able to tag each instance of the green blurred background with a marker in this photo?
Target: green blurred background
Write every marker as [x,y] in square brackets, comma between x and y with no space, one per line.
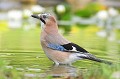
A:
[92,24]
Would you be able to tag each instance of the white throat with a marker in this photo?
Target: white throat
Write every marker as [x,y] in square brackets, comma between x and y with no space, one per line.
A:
[42,25]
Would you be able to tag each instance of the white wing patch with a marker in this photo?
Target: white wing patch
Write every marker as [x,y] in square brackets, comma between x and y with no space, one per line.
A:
[74,48]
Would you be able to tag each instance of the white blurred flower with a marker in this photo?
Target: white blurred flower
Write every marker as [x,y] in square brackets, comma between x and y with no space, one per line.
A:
[37,9]
[15,18]
[102,33]
[60,9]
[15,14]
[27,12]
[103,15]
[113,12]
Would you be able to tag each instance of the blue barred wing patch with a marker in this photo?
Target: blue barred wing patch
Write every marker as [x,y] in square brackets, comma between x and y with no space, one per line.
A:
[56,47]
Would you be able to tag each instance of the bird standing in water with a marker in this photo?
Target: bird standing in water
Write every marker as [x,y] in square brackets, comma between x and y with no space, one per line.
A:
[56,47]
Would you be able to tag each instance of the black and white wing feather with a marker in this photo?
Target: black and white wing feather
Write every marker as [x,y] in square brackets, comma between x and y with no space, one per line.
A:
[74,48]
[70,47]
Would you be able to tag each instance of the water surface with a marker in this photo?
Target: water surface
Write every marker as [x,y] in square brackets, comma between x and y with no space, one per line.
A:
[22,50]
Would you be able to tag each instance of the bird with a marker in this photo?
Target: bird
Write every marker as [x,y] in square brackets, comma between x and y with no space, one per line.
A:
[56,47]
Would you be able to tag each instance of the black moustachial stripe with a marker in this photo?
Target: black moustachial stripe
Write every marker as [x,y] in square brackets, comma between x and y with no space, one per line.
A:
[70,46]
[42,20]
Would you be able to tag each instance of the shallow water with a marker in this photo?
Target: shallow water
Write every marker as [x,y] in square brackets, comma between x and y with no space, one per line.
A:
[23,51]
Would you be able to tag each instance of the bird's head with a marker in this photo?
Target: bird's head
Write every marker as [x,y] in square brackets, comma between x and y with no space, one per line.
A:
[47,20]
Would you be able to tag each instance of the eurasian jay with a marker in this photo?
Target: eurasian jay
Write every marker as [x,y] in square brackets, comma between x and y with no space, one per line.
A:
[56,47]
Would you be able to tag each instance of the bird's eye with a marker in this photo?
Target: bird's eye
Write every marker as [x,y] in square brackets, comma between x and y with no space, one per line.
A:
[44,16]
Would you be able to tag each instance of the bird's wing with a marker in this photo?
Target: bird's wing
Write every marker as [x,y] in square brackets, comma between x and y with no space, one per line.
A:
[70,47]
[79,51]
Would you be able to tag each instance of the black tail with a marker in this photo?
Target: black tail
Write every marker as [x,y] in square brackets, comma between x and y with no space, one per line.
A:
[93,58]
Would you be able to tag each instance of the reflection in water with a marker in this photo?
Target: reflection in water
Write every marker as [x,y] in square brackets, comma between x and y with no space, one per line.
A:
[62,71]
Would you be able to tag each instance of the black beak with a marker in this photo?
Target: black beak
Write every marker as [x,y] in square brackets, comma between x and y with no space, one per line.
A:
[35,16]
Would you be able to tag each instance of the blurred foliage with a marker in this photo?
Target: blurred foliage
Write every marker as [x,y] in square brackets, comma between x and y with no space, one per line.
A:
[103,72]
[3,26]
[90,10]
[6,73]
[66,29]
[65,15]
